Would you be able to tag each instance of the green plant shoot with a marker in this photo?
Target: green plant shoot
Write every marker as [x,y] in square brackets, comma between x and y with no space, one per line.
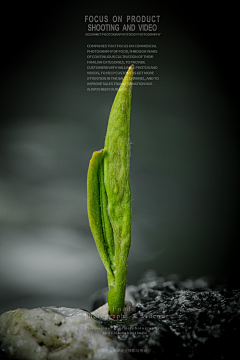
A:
[109,196]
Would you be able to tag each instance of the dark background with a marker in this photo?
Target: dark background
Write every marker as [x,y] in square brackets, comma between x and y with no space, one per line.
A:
[185,153]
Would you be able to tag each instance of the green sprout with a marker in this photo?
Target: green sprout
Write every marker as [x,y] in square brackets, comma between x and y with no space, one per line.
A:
[109,196]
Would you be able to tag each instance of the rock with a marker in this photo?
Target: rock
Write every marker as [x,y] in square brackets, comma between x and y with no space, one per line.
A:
[173,319]
[55,333]
[181,319]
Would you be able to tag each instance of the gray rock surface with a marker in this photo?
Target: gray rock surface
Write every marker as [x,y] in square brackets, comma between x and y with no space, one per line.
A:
[55,333]
[173,319]
[178,318]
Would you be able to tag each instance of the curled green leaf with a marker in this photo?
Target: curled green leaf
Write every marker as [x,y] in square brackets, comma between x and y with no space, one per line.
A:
[109,196]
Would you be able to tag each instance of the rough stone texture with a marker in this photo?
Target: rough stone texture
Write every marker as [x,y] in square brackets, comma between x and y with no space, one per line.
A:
[54,334]
[173,319]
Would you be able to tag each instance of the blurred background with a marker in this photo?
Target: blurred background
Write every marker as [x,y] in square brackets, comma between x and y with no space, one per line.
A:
[184,158]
